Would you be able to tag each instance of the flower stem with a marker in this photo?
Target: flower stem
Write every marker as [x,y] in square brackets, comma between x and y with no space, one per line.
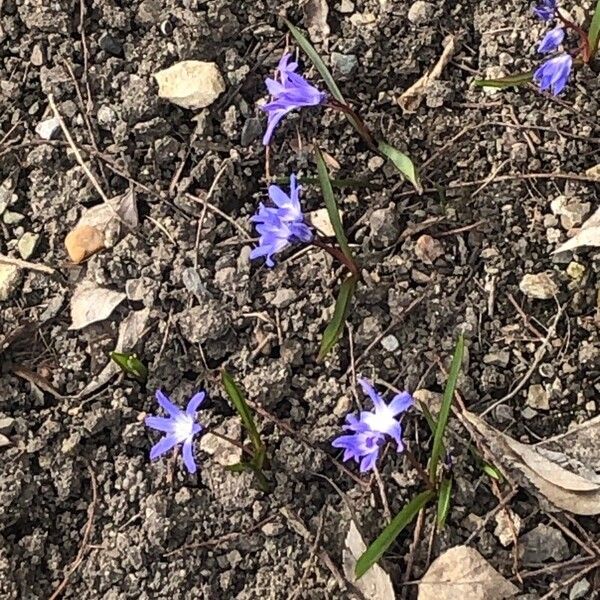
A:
[583,36]
[361,127]
[420,470]
[338,255]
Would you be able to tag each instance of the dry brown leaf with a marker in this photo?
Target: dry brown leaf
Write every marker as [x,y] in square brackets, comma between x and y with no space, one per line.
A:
[91,303]
[131,331]
[588,235]
[375,584]
[539,470]
[411,99]
[461,572]
[315,19]
[83,241]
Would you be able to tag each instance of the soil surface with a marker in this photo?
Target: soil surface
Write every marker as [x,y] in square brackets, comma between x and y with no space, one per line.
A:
[83,511]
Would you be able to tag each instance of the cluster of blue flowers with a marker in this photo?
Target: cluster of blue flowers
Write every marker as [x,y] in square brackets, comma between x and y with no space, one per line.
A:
[371,429]
[553,74]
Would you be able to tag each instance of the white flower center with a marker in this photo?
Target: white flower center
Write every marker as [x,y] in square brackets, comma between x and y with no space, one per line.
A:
[184,426]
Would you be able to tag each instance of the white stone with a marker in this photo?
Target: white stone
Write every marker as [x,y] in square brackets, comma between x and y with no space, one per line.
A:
[10,276]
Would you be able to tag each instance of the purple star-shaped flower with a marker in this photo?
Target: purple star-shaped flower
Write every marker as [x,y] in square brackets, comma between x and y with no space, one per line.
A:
[179,428]
[545,10]
[290,93]
[281,225]
[370,428]
[552,40]
[554,73]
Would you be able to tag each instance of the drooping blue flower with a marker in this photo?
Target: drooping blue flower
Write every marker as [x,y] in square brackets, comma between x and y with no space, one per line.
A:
[554,73]
[545,10]
[281,225]
[552,40]
[370,428]
[179,427]
[290,93]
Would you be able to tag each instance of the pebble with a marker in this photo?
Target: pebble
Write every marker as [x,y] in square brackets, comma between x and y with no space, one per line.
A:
[37,56]
[390,343]
[575,270]
[537,397]
[284,297]
[570,210]
[137,289]
[346,7]
[82,242]
[12,218]
[420,12]
[10,277]
[344,64]
[432,400]
[47,128]
[580,589]
[6,425]
[4,441]
[225,454]
[544,543]
[342,407]
[106,116]
[428,249]
[528,413]
[192,84]
[375,162]
[251,130]
[273,529]
[497,359]
[27,243]
[384,227]
[539,286]
[110,45]
[507,522]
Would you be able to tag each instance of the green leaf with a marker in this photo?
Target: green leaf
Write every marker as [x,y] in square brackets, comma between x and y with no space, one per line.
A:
[331,204]
[403,163]
[594,31]
[443,508]
[442,421]
[492,471]
[386,538]
[238,401]
[428,416]
[260,478]
[340,312]
[131,365]
[505,82]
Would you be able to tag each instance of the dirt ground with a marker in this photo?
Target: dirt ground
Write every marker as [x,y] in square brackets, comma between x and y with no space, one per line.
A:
[81,505]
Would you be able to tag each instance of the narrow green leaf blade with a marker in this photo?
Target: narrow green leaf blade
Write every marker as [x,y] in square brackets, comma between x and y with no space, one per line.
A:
[403,163]
[505,82]
[492,471]
[331,204]
[239,403]
[340,312]
[386,538]
[594,31]
[316,60]
[428,416]
[131,365]
[442,421]
[443,508]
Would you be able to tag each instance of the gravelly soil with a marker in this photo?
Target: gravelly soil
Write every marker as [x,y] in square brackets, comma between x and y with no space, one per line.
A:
[76,467]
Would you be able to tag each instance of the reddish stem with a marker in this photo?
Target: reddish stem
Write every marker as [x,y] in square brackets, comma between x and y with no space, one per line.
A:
[338,255]
[583,36]
[364,131]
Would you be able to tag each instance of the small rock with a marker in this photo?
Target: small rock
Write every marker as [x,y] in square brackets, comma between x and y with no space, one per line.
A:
[528,413]
[544,543]
[284,297]
[342,407]
[590,406]
[384,227]
[37,56]
[106,116]
[346,7]
[537,397]
[10,277]
[375,162]
[428,249]
[47,128]
[225,453]
[27,243]
[539,286]
[208,321]
[4,441]
[497,359]
[190,84]
[12,218]
[110,45]
[390,343]
[432,400]
[580,589]
[6,425]
[251,130]
[420,12]
[571,211]
[137,289]
[344,64]
[320,220]
[508,524]
[82,242]
[273,529]
[149,12]
[575,270]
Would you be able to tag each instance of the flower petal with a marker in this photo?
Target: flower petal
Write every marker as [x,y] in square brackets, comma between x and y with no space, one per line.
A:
[368,461]
[401,403]
[160,423]
[166,404]
[188,456]
[194,403]
[163,446]
[370,391]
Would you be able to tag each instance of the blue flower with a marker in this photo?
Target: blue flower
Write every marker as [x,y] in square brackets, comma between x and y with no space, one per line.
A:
[291,92]
[281,225]
[179,428]
[545,10]
[370,428]
[552,40]
[554,73]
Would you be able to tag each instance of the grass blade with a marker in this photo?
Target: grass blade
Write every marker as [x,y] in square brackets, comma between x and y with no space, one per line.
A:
[131,365]
[594,31]
[331,204]
[386,538]
[340,312]
[505,82]
[442,421]
[239,403]
[443,508]
[403,163]
[492,471]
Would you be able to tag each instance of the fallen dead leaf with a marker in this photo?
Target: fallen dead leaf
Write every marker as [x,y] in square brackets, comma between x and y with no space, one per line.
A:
[410,99]
[320,220]
[543,471]
[83,241]
[588,235]
[131,331]
[461,572]
[428,249]
[315,19]
[91,303]
[375,584]
[539,286]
